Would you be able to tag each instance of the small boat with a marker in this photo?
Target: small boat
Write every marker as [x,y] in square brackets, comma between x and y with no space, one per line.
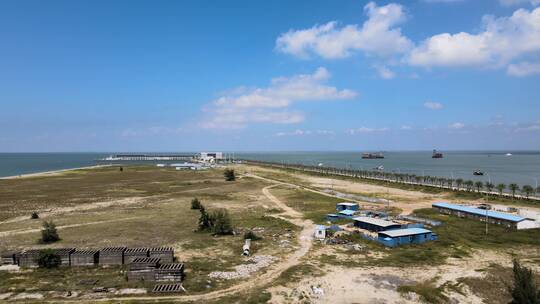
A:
[379,168]
[508,154]
[320,164]
[478,172]
[372,155]
[436,154]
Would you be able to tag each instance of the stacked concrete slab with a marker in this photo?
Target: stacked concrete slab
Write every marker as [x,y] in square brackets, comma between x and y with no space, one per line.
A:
[65,255]
[112,256]
[170,272]
[165,254]
[8,257]
[84,257]
[28,258]
[134,253]
[143,269]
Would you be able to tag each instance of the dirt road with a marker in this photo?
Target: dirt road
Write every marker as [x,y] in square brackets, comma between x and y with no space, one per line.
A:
[272,273]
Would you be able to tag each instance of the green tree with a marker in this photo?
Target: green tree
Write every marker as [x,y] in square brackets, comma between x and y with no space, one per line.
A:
[513,187]
[229,175]
[524,290]
[500,188]
[49,233]
[251,235]
[469,185]
[221,222]
[459,182]
[489,186]
[34,215]
[195,204]
[527,189]
[205,223]
[48,258]
[479,185]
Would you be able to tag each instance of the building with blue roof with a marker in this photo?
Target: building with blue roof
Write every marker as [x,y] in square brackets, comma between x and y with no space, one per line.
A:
[347,206]
[346,213]
[396,237]
[493,217]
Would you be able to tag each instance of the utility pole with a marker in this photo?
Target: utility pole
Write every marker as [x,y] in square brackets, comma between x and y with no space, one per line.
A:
[487,218]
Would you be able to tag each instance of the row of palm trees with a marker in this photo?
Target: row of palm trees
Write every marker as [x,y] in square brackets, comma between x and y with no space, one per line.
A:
[458,184]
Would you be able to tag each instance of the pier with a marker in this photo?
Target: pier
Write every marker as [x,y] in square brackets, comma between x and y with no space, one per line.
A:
[149,157]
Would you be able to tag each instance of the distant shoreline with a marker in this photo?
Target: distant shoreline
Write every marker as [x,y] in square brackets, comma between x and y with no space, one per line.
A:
[52,172]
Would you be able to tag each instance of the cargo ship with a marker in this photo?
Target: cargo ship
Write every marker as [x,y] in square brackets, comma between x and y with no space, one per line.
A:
[372,155]
[436,154]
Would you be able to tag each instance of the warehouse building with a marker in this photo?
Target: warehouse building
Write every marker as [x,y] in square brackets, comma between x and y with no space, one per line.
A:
[396,237]
[374,224]
[493,217]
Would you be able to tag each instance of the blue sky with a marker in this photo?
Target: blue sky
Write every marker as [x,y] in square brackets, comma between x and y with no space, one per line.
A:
[269,75]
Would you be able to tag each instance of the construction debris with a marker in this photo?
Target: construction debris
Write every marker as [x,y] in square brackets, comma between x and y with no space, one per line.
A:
[245,270]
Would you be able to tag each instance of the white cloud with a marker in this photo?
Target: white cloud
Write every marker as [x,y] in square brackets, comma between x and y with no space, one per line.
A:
[377,35]
[433,105]
[443,1]
[271,104]
[501,40]
[363,130]
[457,126]
[406,127]
[523,69]
[518,2]
[299,132]
[384,72]
[531,127]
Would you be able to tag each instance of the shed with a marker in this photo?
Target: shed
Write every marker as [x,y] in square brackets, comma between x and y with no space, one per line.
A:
[398,237]
[166,254]
[320,232]
[84,257]
[132,253]
[374,224]
[112,256]
[170,272]
[347,206]
[494,217]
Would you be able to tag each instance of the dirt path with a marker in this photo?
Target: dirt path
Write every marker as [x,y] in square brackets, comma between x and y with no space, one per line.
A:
[274,271]
[24,231]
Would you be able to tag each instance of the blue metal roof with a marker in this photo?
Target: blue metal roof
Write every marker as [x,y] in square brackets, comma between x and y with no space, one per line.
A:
[404,232]
[347,212]
[320,227]
[481,212]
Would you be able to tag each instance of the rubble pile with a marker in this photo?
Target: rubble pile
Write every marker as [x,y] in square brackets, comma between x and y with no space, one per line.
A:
[245,270]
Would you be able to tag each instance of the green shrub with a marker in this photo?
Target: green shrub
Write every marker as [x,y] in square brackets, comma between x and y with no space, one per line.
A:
[205,222]
[48,259]
[524,290]
[196,204]
[49,233]
[34,215]
[221,222]
[251,235]
[229,175]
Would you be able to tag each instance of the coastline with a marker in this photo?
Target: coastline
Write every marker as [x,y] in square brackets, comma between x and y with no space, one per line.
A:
[52,172]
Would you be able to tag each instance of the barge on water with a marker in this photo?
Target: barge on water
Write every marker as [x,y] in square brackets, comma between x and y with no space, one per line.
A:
[436,154]
[372,155]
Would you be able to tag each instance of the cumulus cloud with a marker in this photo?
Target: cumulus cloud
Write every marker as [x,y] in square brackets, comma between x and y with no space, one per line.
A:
[518,2]
[377,35]
[300,132]
[433,105]
[500,41]
[384,72]
[457,126]
[530,127]
[523,69]
[364,130]
[237,108]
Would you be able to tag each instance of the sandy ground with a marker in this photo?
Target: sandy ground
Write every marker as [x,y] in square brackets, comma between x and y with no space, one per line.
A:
[379,284]
[52,173]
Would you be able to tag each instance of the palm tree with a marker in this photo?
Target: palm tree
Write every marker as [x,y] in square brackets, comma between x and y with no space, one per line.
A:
[479,185]
[469,184]
[500,188]
[459,181]
[513,187]
[527,189]
[489,186]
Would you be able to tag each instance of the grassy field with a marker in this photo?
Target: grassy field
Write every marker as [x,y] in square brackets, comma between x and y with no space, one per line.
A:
[141,206]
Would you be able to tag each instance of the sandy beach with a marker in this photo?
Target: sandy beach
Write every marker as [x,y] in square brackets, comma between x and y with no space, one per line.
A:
[52,173]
